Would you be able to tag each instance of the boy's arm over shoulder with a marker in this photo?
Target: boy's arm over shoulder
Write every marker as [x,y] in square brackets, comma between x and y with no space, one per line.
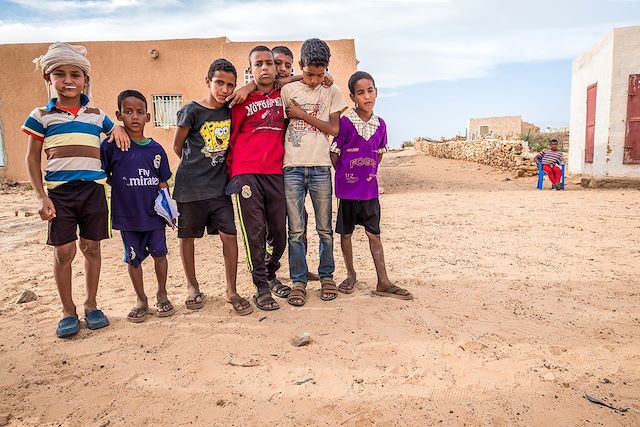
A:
[107,124]
[241,95]
[280,83]
[106,156]
[115,132]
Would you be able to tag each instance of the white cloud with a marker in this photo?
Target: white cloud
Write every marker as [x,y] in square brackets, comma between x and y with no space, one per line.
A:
[72,6]
[401,42]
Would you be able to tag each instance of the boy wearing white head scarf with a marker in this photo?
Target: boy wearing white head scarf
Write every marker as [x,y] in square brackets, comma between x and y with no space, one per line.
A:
[68,129]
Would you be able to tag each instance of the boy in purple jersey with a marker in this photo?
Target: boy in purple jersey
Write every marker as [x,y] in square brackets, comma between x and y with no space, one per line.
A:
[355,154]
[136,176]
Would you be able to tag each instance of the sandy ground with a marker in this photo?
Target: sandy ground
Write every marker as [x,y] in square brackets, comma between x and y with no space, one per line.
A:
[526,301]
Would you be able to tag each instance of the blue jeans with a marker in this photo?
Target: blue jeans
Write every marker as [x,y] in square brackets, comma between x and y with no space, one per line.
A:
[316,180]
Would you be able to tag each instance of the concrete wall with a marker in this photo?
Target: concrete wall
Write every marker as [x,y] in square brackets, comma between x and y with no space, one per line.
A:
[609,63]
[594,66]
[180,69]
[504,126]
[626,61]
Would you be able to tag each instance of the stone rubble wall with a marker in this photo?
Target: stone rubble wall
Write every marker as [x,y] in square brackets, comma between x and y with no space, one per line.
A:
[510,155]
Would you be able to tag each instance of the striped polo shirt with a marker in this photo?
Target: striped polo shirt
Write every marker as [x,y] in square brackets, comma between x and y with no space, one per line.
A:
[71,143]
[549,157]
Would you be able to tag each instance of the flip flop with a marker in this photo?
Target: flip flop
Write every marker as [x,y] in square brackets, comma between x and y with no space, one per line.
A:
[67,327]
[328,288]
[134,315]
[192,303]
[280,289]
[348,285]
[95,319]
[261,301]
[164,308]
[392,292]
[298,295]
[237,302]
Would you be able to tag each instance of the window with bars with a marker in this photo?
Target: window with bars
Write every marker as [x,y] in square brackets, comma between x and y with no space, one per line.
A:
[247,75]
[165,110]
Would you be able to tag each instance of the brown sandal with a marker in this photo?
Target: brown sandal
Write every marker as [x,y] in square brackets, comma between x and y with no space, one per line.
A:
[241,306]
[298,295]
[348,285]
[138,314]
[394,292]
[164,308]
[328,290]
[192,303]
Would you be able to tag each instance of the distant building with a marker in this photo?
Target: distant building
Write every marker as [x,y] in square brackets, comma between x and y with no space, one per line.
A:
[549,129]
[605,107]
[170,73]
[503,126]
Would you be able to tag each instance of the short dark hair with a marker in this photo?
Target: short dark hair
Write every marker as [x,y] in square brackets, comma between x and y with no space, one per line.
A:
[259,48]
[221,64]
[282,50]
[315,52]
[553,141]
[131,93]
[359,75]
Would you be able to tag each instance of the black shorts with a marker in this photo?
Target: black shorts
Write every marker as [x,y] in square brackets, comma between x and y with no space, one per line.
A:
[358,212]
[78,204]
[216,214]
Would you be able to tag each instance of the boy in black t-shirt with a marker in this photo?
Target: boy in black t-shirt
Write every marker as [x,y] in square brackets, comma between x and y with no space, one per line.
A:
[202,141]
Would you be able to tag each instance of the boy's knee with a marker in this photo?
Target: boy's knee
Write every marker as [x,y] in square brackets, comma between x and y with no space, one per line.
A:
[64,254]
[228,238]
[371,236]
[90,248]
[297,235]
[325,233]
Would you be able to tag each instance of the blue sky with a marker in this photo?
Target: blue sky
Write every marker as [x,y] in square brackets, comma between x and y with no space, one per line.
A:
[436,62]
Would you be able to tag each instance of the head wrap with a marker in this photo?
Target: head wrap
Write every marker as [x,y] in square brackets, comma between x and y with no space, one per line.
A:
[64,54]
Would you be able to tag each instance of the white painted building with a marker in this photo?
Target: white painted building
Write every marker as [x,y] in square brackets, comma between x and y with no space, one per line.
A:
[605,108]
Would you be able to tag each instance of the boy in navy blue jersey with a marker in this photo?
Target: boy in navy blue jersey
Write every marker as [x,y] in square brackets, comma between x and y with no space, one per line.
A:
[136,176]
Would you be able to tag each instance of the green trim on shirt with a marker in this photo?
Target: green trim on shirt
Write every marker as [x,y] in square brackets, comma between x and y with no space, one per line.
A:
[142,143]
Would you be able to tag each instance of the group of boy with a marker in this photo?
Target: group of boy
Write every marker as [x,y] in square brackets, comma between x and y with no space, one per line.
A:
[268,151]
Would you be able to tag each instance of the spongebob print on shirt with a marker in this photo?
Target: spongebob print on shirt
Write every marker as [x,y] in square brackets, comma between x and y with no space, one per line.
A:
[216,140]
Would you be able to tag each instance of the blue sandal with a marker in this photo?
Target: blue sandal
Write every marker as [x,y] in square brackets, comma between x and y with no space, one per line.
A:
[67,327]
[95,319]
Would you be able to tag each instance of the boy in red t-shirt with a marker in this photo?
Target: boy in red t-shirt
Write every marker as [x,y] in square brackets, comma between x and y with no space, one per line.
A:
[255,166]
